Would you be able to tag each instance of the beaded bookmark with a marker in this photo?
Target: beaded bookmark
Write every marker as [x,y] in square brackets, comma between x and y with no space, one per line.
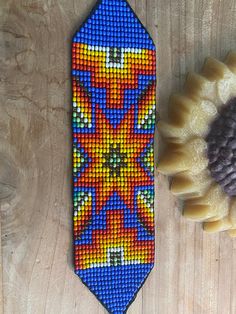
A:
[114,84]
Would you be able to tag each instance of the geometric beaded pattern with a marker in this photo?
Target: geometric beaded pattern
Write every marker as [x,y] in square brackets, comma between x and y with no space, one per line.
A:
[114,84]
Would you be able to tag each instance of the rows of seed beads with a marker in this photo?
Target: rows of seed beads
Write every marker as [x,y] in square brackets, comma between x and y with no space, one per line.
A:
[79,159]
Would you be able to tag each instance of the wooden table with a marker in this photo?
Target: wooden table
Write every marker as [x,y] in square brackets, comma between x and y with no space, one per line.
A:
[195,273]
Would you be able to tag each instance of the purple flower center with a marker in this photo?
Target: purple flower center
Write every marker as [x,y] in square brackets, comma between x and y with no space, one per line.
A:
[221,151]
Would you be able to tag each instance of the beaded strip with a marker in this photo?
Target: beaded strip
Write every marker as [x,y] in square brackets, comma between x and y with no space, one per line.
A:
[114,84]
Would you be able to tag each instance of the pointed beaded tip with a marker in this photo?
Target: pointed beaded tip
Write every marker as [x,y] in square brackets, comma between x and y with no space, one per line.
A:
[114,84]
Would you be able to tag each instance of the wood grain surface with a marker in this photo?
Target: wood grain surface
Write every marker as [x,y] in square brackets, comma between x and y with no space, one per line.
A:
[195,273]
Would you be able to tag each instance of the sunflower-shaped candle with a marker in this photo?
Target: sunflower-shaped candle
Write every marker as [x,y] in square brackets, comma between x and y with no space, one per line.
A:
[200,152]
